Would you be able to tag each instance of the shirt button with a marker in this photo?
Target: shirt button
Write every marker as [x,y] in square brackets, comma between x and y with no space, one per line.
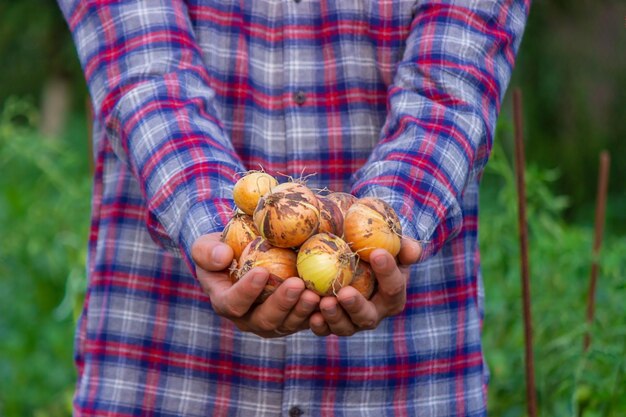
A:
[297,1]
[299,97]
[295,412]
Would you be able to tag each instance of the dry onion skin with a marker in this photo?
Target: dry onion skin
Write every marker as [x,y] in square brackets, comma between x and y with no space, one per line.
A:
[364,279]
[325,264]
[287,215]
[279,262]
[250,188]
[371,224]
[343,200]
[239,231]
[331,217]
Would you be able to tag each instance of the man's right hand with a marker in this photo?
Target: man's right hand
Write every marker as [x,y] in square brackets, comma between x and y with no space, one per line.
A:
[285,312]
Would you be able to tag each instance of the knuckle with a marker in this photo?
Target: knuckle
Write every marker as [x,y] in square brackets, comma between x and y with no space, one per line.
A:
[265,325]
[396,290]
[320,332]
[284,306]
[232,311]
[288,328]
[396,309]
[344,332]
[369,324]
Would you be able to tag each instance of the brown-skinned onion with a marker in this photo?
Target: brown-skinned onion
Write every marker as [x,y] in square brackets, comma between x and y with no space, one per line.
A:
[250,188]
[288,215]
[371,224]
[279,262]
[239,231]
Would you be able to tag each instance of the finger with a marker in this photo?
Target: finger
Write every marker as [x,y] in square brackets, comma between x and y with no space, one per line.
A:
[270,315]
[410,252]
[210,254]
[336,319]
[391,282]
[318,325]
[299,315]
[362,312]
[236,300]
[213,282]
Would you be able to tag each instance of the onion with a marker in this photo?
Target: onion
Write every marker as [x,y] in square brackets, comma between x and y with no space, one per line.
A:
[343,200]
[331,217]
[287,215]
[239,231]
[250,188]
[325,263]
[364,279]
[279,262]
[370,224]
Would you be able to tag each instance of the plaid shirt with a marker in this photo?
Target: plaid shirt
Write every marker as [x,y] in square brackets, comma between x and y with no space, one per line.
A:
[396,99]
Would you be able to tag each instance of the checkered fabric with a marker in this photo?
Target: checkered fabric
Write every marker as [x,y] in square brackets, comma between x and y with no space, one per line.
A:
[395,99]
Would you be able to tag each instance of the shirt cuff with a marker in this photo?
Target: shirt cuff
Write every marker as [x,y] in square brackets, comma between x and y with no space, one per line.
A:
[427,210]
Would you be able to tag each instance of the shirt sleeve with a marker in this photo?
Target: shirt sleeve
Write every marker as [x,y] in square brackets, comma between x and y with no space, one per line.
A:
[150,89]
[443,104]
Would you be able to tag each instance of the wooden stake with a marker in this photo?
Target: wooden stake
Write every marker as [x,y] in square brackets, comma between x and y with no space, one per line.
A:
[531,397]
[603,182]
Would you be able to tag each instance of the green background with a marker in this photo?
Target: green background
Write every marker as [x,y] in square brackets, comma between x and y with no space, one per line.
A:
[572,71]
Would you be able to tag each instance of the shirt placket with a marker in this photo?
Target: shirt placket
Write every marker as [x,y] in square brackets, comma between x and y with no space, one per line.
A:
[298,76]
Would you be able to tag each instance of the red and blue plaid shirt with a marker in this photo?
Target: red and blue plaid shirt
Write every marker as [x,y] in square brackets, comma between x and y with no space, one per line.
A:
[396,99]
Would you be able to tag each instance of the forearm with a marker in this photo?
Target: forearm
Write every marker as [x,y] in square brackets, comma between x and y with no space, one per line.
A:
[444,102]
[150,89]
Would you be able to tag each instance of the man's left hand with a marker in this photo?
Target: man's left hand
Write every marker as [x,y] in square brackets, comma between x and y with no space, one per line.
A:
[350,312]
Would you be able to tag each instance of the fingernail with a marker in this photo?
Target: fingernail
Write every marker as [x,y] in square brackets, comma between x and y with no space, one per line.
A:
[309,305]
[258,280]
[380,262]
[219,253]
[293,294]
[331,311]
[348,301]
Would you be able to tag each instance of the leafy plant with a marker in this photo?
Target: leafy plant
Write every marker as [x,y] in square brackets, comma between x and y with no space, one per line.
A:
[569,382]
[44,208]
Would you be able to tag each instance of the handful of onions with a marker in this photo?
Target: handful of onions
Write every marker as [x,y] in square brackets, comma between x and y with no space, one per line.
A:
[324,240]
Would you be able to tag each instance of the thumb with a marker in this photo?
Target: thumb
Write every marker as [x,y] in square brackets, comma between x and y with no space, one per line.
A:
[410,251]
[210,254]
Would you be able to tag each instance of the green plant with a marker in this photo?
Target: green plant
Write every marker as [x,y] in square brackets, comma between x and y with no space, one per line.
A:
[44,208]
[569,382]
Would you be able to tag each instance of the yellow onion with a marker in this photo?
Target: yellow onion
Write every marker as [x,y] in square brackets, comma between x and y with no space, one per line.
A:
[343,200]
[364,279]
[331,217]
[325,263]
[288,215]
[250,188]
[279,262]
[239,231]
[370,224]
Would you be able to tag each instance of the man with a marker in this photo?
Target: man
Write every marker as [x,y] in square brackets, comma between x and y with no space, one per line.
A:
[394,99]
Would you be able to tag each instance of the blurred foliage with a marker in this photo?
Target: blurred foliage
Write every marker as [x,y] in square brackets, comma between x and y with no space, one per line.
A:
[569,382]
[44,217]
[572,70]
[35,44]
